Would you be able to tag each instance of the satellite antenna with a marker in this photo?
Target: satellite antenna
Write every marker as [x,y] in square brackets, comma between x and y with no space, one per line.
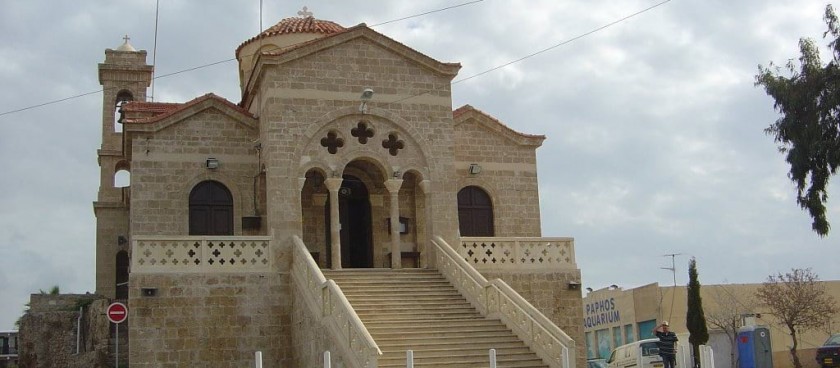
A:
[673,270]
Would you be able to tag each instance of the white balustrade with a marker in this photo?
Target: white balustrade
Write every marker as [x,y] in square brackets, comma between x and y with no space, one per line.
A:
[205,254]
[518,253]
[337,315]
[496,299]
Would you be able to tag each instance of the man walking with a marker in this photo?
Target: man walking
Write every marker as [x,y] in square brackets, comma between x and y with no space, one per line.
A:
[667,345]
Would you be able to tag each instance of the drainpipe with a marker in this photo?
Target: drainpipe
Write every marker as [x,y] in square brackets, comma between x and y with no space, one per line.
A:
[78,329]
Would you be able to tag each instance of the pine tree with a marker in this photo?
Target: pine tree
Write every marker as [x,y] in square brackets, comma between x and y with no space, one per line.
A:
[695,319]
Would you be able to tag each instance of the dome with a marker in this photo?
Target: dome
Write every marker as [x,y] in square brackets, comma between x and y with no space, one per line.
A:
[126,46]
[296,25]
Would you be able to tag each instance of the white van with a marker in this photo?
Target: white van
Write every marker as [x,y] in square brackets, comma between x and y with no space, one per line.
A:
[639,354]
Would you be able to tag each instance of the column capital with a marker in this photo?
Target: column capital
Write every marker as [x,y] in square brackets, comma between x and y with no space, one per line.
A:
[333,184]
[393,185]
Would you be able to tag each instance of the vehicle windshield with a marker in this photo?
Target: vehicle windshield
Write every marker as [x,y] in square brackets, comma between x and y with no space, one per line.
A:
[833,340]
[649,348]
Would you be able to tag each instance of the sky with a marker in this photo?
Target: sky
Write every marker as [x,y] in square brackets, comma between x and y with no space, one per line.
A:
[655,130]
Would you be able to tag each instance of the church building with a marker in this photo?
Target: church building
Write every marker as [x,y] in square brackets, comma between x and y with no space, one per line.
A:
[341,205]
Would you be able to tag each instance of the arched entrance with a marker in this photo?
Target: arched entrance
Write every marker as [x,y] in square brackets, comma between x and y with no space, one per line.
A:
[475,212]
[211,209]
[355,217]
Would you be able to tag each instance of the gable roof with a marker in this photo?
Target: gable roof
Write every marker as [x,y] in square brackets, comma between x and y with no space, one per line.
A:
[154,116]
[467,113]
[303,49]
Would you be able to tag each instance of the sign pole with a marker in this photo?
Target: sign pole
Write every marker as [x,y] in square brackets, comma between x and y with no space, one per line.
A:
[117,313]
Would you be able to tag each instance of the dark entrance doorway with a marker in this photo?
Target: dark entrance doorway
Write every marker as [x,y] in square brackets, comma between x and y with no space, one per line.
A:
[211,209]
[475,212]
[354,214]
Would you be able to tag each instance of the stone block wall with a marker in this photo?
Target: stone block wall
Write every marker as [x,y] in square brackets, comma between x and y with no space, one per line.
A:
[48,332]
[167,165]
[300,100]
[198,320]
[549,293]
[508,175]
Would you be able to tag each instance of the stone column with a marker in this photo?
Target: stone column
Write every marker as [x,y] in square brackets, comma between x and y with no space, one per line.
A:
[426,248]
[393,186]
[333,185]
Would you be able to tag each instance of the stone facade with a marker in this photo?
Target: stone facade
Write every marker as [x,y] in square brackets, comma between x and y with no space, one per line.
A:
[365,182]
[216,321]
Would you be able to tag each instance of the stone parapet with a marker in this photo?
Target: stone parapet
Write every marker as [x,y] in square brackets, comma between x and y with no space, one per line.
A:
[518,254]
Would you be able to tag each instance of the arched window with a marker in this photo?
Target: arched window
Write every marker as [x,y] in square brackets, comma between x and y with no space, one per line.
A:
[475,212]
[122,97]
[211,209]
[122,275]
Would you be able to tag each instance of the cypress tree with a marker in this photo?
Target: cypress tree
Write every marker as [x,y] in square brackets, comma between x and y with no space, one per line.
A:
[695,319]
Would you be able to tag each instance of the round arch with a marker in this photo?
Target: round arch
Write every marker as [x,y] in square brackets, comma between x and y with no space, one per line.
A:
[475,212]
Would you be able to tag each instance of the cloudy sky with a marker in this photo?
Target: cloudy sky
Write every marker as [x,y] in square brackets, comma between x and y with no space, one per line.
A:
[655,130]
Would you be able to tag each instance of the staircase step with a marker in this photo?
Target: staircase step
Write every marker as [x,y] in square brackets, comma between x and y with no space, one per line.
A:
[419,309]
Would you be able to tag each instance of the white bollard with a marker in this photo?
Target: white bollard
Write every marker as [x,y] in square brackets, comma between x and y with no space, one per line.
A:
[409,359]
[258,359]
[492,358]
[327,359]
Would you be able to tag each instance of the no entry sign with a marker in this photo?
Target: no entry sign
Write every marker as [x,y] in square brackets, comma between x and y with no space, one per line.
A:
[117,312]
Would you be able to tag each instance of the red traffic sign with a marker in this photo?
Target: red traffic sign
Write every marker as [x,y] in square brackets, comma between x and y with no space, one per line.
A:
[117,312]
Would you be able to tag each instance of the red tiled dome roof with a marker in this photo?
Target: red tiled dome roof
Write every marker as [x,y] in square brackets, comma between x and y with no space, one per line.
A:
[296,25]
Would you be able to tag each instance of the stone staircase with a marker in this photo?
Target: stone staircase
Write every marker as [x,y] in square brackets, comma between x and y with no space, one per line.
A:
[419,310]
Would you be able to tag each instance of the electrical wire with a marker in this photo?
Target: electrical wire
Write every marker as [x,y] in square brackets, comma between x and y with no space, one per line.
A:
[562,43]
[213,63]
[399,100]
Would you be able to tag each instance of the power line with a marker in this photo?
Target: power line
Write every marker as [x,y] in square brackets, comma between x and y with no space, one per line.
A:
[575,38]
[564,42]
[426,13]
[216,62]
[378,24]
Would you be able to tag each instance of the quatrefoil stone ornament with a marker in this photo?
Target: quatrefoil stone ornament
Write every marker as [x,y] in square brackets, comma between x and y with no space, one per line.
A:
[393,144]
[332,142]
[362,131]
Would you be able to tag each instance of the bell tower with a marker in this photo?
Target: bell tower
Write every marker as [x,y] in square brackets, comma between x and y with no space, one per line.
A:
[124,77]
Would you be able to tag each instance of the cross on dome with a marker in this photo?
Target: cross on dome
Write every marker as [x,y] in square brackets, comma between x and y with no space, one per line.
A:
[126,38]
[305,13]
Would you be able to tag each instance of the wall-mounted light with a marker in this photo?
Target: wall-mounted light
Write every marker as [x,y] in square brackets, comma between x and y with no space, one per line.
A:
[474,169]
[121,240]
[574,285]
[212,163]
[367,94]
[148,292]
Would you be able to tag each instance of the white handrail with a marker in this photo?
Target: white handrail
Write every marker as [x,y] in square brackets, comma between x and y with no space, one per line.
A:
[497,298]
[337,313]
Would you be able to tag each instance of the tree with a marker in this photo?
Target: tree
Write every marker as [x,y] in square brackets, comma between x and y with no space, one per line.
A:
[695,320]
[728,315]
[808,130]
[799,301]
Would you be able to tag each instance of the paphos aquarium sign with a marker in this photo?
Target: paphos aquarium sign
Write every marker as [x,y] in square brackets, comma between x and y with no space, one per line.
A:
[600,313]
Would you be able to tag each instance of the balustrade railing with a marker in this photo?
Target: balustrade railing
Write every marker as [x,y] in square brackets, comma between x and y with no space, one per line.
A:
[492,253]
[337,315]
[496,299]
[207,254]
